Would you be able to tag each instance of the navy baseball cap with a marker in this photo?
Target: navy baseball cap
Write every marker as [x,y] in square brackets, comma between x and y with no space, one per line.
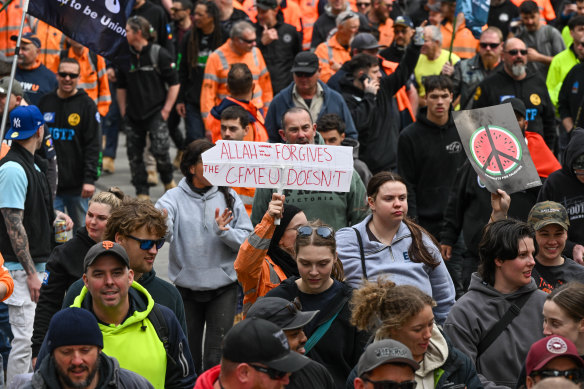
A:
[403,20]
[29,37]
[24,122]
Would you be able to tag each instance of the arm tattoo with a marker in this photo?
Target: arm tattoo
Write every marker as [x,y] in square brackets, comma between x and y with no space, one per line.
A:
[15,228]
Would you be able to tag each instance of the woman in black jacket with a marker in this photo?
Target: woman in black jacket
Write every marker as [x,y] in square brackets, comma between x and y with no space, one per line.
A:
[332,340]
[404,313]
[65,264]
[205,36]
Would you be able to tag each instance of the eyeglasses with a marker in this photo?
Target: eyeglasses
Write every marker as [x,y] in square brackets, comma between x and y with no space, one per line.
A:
[325,232]
[303,74]
[248,41]
[493,46]
[391,384]
[70,75]
[363,5]
[272,373]
[147,244]
[572,375]
[173,9]
[514,52]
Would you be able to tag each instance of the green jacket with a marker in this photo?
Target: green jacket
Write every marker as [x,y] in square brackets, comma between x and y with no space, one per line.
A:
[562,63]
[338,209]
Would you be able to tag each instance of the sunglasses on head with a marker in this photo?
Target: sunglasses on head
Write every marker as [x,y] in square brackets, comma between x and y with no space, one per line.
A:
[391,384]
[272,373]
[572,375]
[293,307]
[484,45]
[516,51]
[322,231]
[70,75]
[147,244]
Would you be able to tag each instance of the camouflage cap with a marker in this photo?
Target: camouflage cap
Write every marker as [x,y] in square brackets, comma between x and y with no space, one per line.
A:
[548,212]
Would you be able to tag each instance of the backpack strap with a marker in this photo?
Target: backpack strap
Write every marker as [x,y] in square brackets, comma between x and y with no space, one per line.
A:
[157,319]
[362,252]
[502,324]
[320,331]
[154,56]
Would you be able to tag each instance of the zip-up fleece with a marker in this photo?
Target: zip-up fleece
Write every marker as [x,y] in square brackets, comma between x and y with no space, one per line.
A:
[201,255]
[475,313]
[138,347]
[74,126]
[394,262]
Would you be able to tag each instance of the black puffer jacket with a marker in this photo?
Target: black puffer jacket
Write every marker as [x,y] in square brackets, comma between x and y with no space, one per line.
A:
[65,266]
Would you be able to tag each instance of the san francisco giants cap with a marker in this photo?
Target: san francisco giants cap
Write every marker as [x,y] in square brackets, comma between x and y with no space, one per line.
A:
[107,247]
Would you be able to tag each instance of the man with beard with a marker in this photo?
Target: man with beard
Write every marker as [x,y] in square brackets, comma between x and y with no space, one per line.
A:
[379,21]
[75,343]
[468,73]
[515,80]
[403,31]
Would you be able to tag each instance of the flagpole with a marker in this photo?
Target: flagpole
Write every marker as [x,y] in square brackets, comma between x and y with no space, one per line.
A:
[452,37]
[13,70]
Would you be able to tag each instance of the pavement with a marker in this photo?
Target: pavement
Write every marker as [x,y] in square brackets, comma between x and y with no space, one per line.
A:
[121,179]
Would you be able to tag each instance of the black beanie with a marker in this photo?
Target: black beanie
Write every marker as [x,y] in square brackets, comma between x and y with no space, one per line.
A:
[73,327]
[289,212]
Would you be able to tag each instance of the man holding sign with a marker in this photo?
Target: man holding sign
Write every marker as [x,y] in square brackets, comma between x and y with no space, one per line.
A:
[339,209]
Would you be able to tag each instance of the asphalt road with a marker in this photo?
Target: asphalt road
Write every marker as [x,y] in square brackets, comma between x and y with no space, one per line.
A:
[121,179]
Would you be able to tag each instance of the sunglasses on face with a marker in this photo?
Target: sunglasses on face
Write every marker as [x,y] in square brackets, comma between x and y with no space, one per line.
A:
[248,41]
[303,75]
[493,46]
[391,384]
[147,244]
[272,373]
[363,5]
[70,75]
[572,375]
[324,232]
[514,52]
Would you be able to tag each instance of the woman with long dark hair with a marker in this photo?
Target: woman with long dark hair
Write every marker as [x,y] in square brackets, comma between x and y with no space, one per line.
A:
[206,226]
[388,243]
[204,37]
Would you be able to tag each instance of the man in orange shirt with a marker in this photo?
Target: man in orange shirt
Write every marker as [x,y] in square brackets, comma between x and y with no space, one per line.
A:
[240,48]
[465,44]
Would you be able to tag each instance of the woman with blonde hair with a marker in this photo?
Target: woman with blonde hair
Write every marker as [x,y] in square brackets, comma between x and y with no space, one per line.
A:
[404,313]
[65,265]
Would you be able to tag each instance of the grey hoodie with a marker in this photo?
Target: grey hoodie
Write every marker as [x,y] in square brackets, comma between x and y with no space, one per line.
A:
[201,256]
[478,311]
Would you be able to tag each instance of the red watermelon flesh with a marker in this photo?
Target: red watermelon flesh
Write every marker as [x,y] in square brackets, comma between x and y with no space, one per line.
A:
[504,143]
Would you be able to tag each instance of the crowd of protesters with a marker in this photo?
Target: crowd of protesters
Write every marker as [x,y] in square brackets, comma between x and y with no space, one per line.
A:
[416,277]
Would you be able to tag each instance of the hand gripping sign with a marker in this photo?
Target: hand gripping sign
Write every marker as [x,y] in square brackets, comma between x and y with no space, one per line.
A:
[277,165]
[496,148]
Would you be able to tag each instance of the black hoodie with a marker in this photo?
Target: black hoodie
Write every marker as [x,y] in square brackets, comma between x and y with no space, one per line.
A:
[74,126]
[563,186]
[428,158]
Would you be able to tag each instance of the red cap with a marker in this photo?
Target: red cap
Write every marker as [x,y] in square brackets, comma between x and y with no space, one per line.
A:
[546,349]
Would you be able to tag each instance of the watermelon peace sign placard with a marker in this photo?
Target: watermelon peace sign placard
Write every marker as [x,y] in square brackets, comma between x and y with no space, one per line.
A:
[496,148]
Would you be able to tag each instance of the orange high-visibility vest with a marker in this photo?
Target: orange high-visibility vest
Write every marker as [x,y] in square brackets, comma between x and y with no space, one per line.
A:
[52,42]
[330,52]
[309,11]
[465,44]
[258,133]
[214,87]
[546,9]
[9,25]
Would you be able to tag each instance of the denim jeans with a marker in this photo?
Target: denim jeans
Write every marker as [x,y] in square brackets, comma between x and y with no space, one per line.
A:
[21,310]
[195,128]
[216,310]
[76,208]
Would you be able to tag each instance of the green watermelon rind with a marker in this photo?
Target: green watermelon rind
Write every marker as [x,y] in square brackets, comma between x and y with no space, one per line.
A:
[513,166]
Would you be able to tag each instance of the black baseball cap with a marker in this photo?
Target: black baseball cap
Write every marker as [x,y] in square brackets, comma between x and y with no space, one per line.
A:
[266,4]
[258,340]
[364,41]
[517,104]
[285,314]
[305,62]
[107,247]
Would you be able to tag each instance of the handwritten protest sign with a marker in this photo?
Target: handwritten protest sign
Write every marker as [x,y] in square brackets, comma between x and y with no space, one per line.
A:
[277,165]
[496,148]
